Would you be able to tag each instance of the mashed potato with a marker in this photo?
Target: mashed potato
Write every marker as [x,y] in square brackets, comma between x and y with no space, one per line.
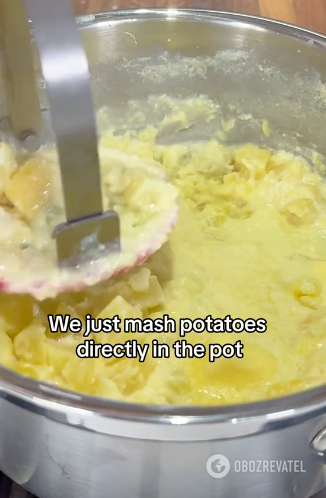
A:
[250,242]
[32,206]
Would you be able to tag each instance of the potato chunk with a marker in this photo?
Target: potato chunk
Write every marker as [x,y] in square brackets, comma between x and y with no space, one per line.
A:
[253,160]
[29,190]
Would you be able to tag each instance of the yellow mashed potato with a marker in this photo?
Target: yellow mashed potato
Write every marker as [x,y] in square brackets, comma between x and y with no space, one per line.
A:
[32,205]
[250,242]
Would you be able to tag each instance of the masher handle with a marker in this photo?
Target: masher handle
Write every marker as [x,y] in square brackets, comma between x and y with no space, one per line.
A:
[66,74]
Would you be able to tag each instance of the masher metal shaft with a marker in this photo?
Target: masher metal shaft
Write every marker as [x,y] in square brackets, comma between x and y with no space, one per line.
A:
[67,80]
[66,74]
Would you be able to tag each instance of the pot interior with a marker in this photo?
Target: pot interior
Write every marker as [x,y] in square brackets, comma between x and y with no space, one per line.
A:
[247,66]
[249,70]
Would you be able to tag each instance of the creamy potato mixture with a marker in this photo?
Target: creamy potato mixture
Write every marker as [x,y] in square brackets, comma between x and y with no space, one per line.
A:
[249,242]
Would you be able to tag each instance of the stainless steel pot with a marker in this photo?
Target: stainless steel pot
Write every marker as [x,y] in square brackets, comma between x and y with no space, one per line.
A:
[60,444]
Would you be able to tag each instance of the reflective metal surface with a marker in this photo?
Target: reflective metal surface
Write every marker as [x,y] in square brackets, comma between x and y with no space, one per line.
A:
[67,81]
[62,444]
[9,489]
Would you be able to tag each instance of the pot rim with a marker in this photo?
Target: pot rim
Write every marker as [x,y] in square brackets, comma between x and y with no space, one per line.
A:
[56,403]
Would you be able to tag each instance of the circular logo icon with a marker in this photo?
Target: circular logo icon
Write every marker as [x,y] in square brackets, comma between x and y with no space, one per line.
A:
[218,466]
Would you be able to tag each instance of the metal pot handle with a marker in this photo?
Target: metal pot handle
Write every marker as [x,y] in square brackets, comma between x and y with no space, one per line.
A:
[318,444]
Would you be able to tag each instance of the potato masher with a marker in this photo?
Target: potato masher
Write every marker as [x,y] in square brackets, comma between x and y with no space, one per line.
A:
[65,71]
